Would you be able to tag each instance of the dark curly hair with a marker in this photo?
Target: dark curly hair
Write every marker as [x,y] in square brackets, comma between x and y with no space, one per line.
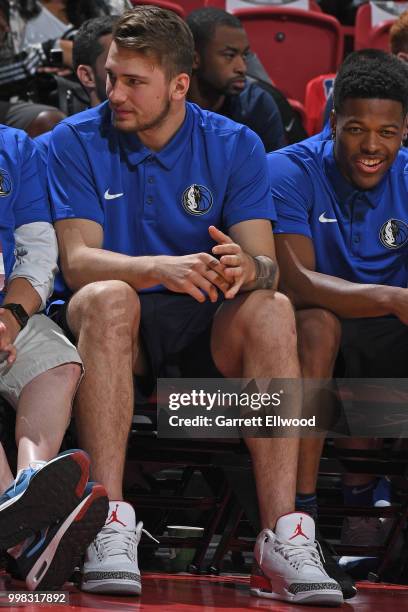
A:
[87,47]
[371,73]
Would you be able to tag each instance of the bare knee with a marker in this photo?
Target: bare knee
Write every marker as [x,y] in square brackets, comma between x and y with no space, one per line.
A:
[69,374]
[270,316]
[108,311]
[319,334]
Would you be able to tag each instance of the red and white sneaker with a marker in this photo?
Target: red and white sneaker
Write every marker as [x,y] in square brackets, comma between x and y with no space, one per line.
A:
[110,564]
[287,564]
[111,560]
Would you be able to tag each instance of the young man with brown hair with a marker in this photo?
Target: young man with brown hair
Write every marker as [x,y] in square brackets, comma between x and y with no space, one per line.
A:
[163,215]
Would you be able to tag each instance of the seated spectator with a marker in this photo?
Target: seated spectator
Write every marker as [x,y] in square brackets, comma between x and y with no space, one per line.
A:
[30,32]
[166,243]
[341,240]
[89,53]
[219,82]
[39,374]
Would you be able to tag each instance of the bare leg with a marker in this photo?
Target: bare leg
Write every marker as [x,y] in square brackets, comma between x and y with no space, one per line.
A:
[104,317]
[255,337]
[44,412]
[319,335]
[6,477]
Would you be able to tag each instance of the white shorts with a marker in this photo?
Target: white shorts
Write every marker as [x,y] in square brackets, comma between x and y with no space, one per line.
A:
[41,346]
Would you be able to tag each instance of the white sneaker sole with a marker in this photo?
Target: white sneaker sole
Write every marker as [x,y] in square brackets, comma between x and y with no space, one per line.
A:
[123,587]
[83,528]
[321,598]
[261,586]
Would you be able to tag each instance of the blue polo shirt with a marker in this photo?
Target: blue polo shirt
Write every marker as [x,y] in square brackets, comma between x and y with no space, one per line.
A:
[360,236]
[256,108]
[212,172]
[23,192]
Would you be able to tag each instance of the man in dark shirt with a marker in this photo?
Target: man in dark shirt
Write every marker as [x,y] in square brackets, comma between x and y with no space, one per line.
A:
[219,80]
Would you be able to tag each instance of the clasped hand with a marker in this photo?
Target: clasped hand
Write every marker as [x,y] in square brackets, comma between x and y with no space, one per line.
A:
[203,274]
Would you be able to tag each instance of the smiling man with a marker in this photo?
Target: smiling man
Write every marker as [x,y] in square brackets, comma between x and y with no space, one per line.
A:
[342,242]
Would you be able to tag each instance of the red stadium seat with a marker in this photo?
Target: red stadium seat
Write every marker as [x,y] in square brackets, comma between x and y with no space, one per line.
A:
[191,5]
[370,34]
[317,92]
[170,6]
[223,4]
[294,46]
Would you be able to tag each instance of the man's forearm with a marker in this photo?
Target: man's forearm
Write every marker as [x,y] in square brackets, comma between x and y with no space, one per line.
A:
[20,291]
[346,299]
[88,265]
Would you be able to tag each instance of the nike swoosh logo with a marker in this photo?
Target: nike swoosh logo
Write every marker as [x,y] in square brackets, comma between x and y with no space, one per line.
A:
[112,196]
[324,219]
[356,490]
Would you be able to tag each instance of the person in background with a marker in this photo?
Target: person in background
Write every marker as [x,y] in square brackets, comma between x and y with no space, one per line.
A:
[219,80]
[36,37]
[89,53]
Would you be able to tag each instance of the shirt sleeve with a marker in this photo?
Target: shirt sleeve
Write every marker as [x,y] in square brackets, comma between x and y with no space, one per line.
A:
[36,253]
[72,189]
[31,202]
[248,193]
[292,192]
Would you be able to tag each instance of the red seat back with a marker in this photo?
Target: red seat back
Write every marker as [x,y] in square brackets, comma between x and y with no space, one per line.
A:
[294,46]
[317,93]
[369,35]
[227,4]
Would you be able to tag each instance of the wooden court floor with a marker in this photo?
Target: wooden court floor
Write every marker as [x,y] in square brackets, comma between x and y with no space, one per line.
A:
[186,593]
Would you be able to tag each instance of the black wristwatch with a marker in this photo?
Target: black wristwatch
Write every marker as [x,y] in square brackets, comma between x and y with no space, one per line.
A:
[18,312]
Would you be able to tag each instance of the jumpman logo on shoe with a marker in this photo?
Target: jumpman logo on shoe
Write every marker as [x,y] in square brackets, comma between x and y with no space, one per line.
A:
[298,530]
[113,518]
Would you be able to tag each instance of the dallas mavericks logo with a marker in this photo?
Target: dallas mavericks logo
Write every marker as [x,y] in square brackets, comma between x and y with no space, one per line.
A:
[394,234]
[197,200]
[5,183]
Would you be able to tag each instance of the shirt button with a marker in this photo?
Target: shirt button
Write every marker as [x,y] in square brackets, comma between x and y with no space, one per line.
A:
[358,216]
[356,239]
[149,199]
[150,179]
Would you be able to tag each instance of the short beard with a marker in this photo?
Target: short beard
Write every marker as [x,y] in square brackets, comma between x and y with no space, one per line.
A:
[154,123]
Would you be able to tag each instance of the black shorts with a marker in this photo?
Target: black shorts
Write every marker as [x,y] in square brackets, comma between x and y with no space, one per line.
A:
[175,333]
[373,348]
